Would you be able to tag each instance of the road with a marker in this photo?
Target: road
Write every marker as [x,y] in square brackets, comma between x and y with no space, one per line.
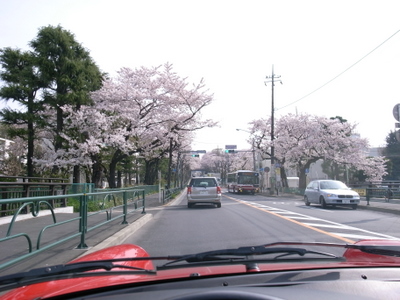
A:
[245,220]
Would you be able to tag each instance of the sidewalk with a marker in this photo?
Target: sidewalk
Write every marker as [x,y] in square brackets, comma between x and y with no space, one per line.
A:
[379,204]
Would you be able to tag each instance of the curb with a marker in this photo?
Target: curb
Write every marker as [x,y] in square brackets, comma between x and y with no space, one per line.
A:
[381,209]
[120,236]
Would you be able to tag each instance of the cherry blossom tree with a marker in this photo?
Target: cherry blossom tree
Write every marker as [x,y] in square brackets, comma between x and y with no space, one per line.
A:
[217,161]
[13,155]
[146,111]
[301,140]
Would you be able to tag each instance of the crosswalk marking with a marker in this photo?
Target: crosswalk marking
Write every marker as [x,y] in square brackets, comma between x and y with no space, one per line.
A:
[341,230]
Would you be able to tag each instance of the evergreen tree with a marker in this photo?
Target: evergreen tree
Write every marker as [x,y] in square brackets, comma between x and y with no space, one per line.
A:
[22,83]
[67,70]
[58,69]
[392,153]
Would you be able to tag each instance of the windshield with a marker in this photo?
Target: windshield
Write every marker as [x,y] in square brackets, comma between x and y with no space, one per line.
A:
[248,179]
[333,185]
[185,127]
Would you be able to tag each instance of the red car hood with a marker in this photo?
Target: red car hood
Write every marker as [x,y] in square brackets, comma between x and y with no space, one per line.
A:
[354,258]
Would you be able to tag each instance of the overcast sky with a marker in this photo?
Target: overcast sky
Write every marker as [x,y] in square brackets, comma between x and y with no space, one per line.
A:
[233,46]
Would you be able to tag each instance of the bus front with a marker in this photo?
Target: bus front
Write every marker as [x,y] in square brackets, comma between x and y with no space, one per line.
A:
[248,182]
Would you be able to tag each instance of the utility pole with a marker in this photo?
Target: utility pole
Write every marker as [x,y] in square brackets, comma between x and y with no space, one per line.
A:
[254,155]
[271,79]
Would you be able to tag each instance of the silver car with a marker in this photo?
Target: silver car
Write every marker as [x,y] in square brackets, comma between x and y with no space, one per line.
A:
[203,190]
[330,192]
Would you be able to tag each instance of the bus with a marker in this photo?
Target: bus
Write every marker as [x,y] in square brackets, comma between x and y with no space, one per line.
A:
[243,181]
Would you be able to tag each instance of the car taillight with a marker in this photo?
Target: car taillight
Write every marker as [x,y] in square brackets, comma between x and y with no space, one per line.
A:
[219,190]
[189,190]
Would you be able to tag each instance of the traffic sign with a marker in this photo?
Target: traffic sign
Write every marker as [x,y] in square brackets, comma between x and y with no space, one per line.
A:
[233,147]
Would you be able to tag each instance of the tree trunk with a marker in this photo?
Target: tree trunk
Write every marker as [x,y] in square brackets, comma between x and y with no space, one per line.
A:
[111,175]
[31,139]
[97,172]
[169,164]
[119,179]
[284,177]
[302,178]
[303,174]
[150,177]
[76,175]
[31,136]
[116,158]
[60,123]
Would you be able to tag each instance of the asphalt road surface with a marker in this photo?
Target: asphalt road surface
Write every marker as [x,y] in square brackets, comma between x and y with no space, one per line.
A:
[242,220]
[245,220]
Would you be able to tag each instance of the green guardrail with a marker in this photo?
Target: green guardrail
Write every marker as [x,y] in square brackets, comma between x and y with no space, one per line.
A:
[385,193]
[169,194]
[117,204]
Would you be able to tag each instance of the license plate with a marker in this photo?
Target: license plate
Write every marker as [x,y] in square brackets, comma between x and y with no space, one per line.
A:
[203,193]
[346,201]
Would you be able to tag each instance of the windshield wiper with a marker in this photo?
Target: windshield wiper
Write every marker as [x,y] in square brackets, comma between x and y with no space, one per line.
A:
[72,270]
[377,249]
[387,250]
[245,253]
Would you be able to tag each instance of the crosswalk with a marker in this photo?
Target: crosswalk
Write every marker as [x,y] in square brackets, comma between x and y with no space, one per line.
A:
[336,229]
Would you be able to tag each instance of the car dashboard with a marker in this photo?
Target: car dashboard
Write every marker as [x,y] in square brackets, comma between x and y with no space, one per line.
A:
[339,283]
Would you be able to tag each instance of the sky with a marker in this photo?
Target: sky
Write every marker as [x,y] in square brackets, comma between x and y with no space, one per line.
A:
[334,58]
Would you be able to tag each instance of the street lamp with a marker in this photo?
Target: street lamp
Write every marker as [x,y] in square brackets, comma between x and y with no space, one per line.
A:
[252,150]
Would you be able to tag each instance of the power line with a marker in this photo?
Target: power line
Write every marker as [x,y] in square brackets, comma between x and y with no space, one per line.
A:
[341,73]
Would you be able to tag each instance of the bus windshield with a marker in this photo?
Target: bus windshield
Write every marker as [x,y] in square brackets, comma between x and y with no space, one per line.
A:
[247,179]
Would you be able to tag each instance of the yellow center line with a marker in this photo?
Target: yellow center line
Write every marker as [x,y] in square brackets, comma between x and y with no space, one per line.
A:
[294,221]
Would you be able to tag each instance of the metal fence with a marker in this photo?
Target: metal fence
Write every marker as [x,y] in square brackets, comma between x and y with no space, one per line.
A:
[14,190]
[114,204]
[168,194]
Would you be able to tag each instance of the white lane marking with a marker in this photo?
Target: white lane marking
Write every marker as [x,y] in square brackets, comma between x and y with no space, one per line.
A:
[299,217]
[317,207]
[365,237]
[328,225]
[324,223]
[289,213]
